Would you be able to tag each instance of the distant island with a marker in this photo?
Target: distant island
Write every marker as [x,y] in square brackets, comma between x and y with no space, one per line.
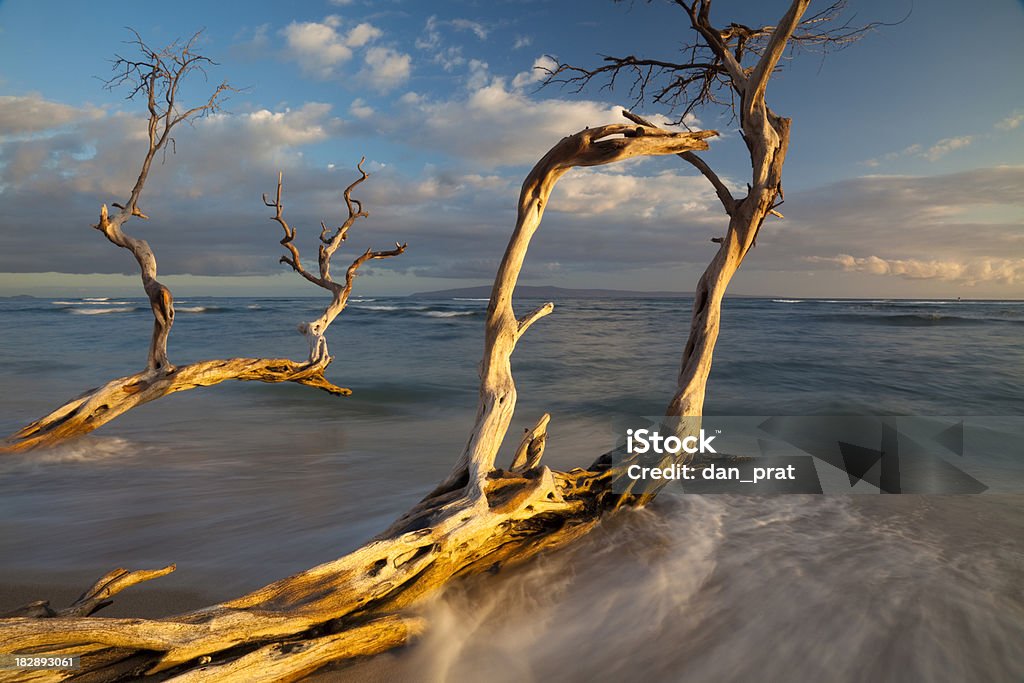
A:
[547,292]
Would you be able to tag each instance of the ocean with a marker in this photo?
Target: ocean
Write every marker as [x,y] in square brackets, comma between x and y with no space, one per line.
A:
[244,483]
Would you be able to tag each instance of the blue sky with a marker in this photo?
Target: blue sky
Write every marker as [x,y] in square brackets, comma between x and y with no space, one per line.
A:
[904,176]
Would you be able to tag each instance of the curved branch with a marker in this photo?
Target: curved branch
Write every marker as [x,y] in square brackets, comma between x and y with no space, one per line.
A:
[720,65]
[481,518]
[157,75]
[591,147]
[95,598]
[532,317]
[773,52]
[724,195]
[99,406]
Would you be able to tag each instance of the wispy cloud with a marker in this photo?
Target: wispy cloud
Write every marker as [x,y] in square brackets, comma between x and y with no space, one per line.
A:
[1011,122]
[933,152]
[969,272]
[475,27]
[947,145]
[943,147]
[431,40]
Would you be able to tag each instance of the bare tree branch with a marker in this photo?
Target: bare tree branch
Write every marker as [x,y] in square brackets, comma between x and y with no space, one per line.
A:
[95,598]
[724,195]
[157,75]
[717,64]
[315,330]
[592,147]
[356,605]
[481,517]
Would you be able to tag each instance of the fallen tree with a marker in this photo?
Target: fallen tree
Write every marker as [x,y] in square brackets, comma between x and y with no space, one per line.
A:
[482,516]
[157,76]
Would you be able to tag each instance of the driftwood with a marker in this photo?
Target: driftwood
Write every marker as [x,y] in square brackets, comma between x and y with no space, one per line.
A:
[158,76]
[484,518]
[481,517]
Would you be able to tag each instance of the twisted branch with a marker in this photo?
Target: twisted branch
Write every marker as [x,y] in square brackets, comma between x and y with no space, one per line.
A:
[315,330]
[718,64]
[157,75]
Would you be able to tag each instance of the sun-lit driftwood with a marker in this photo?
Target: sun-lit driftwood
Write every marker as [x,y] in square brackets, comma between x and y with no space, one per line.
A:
[481,517]
[157,77]
[486,518]
[95,598]
[101,405]
[716,71]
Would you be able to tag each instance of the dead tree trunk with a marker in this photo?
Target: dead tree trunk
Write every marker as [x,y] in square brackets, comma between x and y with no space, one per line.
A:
[158,76]
[356,605]
[99,406]
[481,517]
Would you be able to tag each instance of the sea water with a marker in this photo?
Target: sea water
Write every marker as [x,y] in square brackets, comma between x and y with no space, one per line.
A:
[245,483]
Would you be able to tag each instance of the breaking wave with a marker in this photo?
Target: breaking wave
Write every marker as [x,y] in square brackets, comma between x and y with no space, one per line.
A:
[101,311]
[199,309]
[448,314]
[87,302]
[913,319]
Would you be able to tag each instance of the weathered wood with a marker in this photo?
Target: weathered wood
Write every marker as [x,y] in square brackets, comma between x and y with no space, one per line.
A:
[481,517]
[95,598]
[157,76]
[291,661]
[99,406]
[315,330]
[494,518]
[592,147]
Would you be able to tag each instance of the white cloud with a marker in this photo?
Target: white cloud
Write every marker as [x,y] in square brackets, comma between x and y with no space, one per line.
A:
[308,124]
[1011,122]
[521,42]
[969,272]
[609,192]
[386,69]
[479,75]
[449,58]
[101,155]
[31,114]
[360,109]
[495,124]
[467,25]
[431,37]
[947,145]
[319,47]
[933,152]
[206,190]
[542,66]
[362,34]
